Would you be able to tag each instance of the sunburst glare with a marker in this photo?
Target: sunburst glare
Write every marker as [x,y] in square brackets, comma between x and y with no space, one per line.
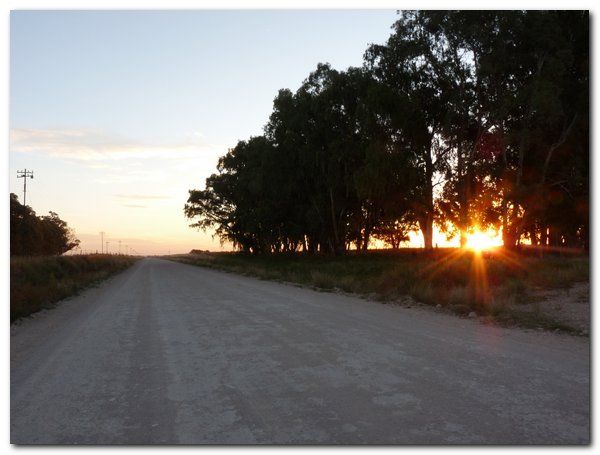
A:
[480,241]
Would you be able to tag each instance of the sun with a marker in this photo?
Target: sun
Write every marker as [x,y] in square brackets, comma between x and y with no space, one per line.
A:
[479,241]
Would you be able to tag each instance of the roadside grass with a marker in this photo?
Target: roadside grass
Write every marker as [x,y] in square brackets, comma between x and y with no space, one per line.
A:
[494,285]
[39,282]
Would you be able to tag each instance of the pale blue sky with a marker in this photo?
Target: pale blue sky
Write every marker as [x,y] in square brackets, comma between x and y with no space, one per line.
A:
[156,74]
[119,113]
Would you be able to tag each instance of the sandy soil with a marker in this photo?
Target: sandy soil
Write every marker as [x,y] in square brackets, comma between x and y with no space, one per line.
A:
[568,306]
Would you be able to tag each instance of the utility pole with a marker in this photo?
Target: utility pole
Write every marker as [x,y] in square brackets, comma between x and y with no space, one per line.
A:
[25,175]
[102,241]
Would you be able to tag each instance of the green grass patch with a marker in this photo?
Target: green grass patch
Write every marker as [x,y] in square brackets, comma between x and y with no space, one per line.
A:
[40,282]
[493,285]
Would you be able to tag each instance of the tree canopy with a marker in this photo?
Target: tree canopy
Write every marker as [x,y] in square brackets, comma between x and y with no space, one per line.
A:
[32,235]
[462,119]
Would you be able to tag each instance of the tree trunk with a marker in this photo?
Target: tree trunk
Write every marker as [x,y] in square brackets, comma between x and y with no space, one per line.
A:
[427,223]
[509,236]
[543,236]
[426,226]
[366,237]
[533,237]
[336,245]
[464,195]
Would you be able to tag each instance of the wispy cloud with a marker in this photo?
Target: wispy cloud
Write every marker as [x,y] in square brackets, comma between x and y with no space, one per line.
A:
[135,206]
[140,196]
[142,175]
[97,145]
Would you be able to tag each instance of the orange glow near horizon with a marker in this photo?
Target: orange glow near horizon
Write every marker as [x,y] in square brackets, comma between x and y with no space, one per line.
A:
[482,240]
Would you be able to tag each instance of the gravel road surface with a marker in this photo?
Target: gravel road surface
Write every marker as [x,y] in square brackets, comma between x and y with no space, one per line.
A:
[167,353]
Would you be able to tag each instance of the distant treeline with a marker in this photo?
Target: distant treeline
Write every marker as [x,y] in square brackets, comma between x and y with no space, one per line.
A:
[463,119]
[32,235]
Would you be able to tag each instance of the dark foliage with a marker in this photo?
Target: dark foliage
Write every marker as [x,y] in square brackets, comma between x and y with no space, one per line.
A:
[465,119]
[32,235]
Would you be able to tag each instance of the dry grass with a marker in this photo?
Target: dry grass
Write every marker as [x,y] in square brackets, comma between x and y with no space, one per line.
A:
[494,285]
[39,282]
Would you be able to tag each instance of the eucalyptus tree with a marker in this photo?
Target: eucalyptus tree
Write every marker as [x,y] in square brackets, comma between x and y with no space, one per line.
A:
[333,131]
[494,103]
[542,112]
[239,202]
[293,128]
[468,199]
[412,65]
[385,177]
[335,149]
[470,119]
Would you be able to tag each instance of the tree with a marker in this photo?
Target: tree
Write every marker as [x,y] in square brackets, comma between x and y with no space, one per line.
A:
[25,229]
[31,235]
[542,111]
[324,175]
[411,64]
[393,233]
[469,119]
[500,105]
[57,237]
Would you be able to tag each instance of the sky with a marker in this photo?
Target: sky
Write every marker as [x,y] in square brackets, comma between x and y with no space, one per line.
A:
[120,113]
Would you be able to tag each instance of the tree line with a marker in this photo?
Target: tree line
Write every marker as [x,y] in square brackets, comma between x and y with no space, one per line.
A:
[32,235]
[462,119]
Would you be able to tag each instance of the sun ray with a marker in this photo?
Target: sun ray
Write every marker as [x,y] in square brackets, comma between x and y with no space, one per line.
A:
[442,263]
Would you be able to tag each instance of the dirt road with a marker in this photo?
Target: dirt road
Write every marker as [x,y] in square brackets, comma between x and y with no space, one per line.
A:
[168,353]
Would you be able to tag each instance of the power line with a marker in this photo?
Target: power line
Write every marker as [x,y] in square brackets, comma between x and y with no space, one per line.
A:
[25,175]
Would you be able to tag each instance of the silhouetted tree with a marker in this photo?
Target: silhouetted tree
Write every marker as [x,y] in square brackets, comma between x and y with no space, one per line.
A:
[31,235]
[466,119]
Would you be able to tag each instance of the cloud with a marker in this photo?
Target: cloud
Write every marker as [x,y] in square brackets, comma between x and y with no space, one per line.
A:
[140,196]
[136,206]
[143,175]
[97,145]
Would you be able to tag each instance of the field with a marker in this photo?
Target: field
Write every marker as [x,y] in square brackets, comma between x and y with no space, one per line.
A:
[500,287]
[40,282]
